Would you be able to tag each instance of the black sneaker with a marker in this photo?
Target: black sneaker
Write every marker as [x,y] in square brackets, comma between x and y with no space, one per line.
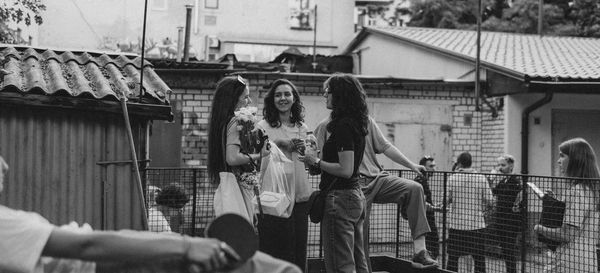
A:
[423,260]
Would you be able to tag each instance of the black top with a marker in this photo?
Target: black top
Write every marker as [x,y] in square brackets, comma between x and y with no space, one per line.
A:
[506,193]
[344,137]
[423,180]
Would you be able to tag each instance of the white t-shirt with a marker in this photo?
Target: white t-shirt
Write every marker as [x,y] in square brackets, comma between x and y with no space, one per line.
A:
[157,222]
[295,170]
[23,236]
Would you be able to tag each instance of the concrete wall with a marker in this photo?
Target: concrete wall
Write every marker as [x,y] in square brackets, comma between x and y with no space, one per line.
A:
[385,56]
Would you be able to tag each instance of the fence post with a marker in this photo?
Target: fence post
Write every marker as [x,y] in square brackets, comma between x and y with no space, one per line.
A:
[444,219]
[194,200]
[524,223]
[398,215]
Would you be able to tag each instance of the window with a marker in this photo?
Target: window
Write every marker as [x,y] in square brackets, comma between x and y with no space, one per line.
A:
[302,14]
[211,4]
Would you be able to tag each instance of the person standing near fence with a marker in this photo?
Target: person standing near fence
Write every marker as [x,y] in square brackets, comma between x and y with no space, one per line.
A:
[507,217]
[579,231]
[469,195]
[382,188]
[224,145]
[432,239]
[344,212]
[171,200]
[284,124]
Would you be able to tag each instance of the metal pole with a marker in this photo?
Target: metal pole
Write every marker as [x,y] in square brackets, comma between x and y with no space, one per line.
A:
[134,162]
[143,51]
[314,59]
[478,58]
[540,16]
[188,24]
[444,219]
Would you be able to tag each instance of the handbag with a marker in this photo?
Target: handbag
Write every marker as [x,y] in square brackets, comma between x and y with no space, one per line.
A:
[553,213]
[316,204]
[228,197]
[276,197]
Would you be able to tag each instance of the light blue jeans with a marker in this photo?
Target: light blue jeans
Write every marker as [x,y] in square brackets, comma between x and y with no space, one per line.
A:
[342,231]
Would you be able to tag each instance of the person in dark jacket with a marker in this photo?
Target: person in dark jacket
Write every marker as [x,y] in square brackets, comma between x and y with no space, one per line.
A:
[507,217]
[432,238]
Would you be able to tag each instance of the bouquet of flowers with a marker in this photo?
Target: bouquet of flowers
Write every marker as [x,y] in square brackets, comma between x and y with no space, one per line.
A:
[252,139]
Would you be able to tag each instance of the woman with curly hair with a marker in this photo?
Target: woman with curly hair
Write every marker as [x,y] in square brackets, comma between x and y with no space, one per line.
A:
[579,231]
[345,208]
[170,201]
[224,145]
[284,124]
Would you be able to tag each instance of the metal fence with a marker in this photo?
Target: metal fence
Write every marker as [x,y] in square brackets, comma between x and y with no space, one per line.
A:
[483,220]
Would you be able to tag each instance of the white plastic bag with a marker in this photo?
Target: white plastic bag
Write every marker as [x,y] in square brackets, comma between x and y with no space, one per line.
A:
[228,197]
[276,195]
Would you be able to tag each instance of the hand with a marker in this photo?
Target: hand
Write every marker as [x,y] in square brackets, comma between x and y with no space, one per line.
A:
[429,206]
[537,228]
[207,255]
[309,158]
[298,145]
[266,149]
[516,209]
[420,169]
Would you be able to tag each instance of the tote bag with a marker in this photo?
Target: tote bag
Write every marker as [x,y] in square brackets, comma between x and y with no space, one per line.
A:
[228,197]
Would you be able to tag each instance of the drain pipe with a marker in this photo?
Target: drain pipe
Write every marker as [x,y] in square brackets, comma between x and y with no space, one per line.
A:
[525,167]
[525,130]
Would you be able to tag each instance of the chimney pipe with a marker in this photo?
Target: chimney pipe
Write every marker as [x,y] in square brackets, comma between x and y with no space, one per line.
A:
[188,24]
[179,43]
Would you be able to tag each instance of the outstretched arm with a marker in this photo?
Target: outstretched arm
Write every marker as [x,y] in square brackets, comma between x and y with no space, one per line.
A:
[105,246]
[395,155]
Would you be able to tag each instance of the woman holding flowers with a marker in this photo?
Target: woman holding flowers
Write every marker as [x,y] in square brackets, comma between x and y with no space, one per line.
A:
[579,231]
[230,133]
[345,208]
[284,123]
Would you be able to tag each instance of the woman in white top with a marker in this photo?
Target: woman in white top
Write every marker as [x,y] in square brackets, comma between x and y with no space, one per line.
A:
[579,231]
[284,124]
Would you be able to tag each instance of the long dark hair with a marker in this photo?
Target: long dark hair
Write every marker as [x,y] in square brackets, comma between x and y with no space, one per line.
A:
[348,101]
[227,94]
[270,112]
[582,164]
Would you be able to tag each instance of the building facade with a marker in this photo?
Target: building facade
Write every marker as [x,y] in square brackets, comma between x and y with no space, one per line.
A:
[254,30]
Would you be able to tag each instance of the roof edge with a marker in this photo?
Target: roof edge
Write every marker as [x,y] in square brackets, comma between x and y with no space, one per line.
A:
[503,70]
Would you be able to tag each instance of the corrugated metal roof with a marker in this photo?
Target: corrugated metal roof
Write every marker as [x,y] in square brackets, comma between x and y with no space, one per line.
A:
[534,56]
[79,74]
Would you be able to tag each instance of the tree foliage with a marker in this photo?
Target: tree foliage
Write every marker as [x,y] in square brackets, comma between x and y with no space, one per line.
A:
[560,17]
[15,12]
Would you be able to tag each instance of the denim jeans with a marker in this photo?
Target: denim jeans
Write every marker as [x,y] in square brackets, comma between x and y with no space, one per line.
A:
[342,231]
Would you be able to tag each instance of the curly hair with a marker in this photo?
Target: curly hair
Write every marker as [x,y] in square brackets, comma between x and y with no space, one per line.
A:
[348,101]
[226,97]
[582,164]
[270,112]
[173,196]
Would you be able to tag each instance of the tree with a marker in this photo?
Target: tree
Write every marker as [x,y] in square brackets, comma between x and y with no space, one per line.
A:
[560,17]
[14,12]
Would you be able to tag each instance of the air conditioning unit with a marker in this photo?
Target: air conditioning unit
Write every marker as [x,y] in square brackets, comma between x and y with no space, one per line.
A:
[213,42]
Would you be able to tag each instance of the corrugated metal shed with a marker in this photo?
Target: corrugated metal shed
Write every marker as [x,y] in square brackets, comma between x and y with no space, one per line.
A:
[63,133]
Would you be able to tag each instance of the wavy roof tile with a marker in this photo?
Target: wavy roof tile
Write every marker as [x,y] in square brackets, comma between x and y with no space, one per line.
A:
[79,74]
[523,55]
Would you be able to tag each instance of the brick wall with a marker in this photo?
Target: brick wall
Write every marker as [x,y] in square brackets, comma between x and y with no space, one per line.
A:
[482,136]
